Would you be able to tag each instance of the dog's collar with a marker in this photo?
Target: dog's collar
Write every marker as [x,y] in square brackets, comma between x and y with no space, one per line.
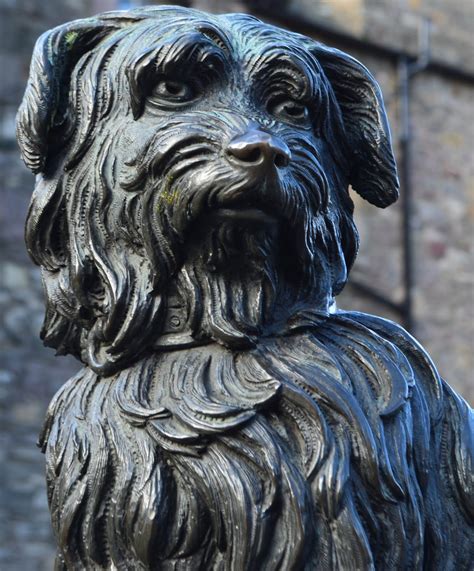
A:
[177,331]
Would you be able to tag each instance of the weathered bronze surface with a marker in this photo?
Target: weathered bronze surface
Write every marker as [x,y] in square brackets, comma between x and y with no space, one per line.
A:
[192,220]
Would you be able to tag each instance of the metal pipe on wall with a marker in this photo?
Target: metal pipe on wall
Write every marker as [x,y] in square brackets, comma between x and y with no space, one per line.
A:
[407,69]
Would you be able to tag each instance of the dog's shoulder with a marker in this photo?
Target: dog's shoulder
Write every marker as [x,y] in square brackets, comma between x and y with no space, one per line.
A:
[394,333]
[448,417]
[424,370]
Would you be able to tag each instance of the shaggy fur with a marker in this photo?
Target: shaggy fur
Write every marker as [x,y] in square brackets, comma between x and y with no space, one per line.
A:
[270,431]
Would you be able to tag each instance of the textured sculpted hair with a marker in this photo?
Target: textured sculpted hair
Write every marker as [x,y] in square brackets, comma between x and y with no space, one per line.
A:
[324,441]
[100,307]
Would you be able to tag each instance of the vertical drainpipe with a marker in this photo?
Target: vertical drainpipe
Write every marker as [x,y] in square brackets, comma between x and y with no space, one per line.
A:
[407,69]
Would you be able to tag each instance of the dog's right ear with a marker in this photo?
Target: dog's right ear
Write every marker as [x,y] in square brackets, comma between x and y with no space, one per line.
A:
[372,169]
[44,104]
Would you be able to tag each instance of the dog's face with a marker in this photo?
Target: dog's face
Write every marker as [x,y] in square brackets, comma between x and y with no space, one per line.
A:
[203,159]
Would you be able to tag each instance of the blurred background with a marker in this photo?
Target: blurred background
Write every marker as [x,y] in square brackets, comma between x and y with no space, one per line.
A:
[416,260]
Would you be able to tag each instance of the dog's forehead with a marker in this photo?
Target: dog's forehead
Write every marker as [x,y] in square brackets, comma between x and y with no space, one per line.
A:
[244,38]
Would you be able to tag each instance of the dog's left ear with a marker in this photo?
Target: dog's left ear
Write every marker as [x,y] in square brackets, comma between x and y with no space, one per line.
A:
[372,168]
[43,108]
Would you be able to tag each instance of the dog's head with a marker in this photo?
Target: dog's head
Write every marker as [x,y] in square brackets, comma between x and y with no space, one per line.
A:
[181,155]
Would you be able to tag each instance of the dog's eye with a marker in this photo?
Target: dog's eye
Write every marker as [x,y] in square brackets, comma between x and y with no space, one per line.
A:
[289,110]
[173,90]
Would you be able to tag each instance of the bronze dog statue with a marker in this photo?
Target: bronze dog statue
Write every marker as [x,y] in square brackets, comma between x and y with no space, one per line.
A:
[192,220]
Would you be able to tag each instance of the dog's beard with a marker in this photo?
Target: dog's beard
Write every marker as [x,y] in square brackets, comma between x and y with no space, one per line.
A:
[235,271]
[251,248]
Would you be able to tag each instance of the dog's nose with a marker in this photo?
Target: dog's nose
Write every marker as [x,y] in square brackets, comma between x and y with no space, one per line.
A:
[256,147]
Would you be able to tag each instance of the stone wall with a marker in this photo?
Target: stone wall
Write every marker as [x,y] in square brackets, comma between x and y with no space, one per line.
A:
[443,229]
